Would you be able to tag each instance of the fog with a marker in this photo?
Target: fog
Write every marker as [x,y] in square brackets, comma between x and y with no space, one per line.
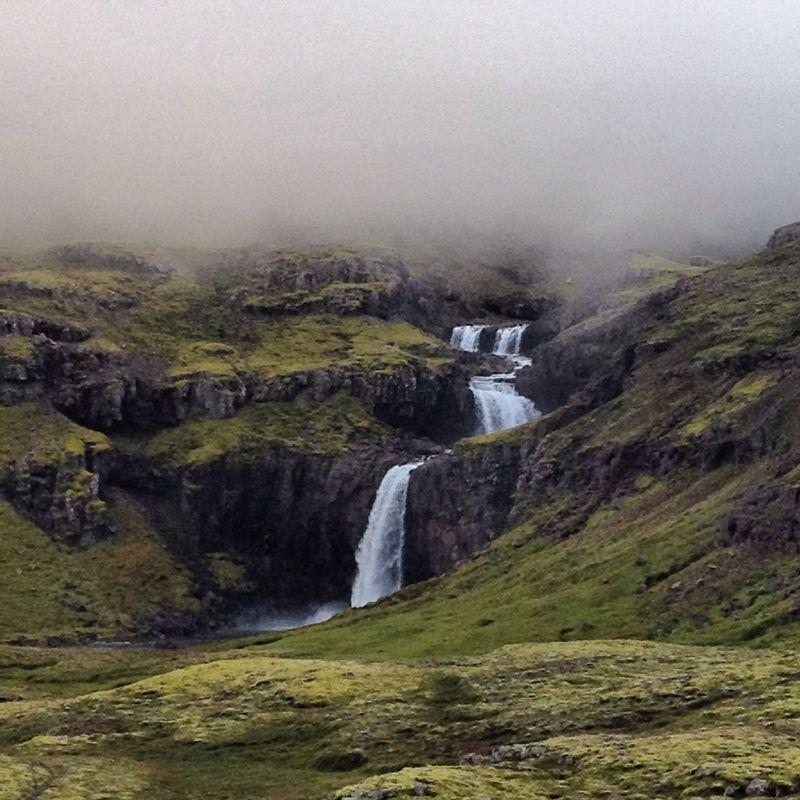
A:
[626,121]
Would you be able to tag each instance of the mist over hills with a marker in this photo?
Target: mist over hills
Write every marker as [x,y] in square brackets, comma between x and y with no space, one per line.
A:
[630,124]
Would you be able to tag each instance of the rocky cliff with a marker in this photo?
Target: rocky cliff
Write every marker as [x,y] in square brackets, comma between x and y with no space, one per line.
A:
[250,429]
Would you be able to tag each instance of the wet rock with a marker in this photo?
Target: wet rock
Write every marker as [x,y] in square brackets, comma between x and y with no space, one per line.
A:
[759,787]
[455,506]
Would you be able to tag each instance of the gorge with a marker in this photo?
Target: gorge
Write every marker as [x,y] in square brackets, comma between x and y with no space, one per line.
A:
[498,407]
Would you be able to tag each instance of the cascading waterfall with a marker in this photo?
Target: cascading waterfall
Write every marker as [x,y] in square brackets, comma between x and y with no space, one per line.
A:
[498,403]
[466,337]
[379,558]
[508,341]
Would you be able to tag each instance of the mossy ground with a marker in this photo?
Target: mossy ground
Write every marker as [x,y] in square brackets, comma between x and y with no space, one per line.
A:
[56,590]
[630,718]
[333,426]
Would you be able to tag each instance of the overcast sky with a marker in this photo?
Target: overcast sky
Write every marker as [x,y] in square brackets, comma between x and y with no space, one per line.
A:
[187,120]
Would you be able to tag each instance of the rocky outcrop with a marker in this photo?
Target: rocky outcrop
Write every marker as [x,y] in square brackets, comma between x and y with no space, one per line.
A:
[336,280]
[97,255]
[106,390]
[456,505]
[599,350]
[61,494]
[19,324]
[784,235]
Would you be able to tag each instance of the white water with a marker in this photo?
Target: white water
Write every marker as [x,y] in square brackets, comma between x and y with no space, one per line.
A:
[379,558]
[498,403]
[507,341]
[466,337]
[277,617]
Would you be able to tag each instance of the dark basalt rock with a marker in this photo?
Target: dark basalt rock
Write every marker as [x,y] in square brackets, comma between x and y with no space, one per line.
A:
[456,506]
[784,235]
[292,519]
[13,322]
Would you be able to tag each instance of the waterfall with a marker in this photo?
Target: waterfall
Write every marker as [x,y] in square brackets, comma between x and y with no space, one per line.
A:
[379,557]
[498,403]
[466,337]
[508,341]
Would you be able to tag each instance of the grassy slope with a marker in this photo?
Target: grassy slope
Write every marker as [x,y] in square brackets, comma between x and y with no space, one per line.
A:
[51,589]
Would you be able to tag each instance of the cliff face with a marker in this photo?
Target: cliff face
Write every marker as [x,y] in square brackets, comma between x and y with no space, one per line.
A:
[291,520]
[456,506]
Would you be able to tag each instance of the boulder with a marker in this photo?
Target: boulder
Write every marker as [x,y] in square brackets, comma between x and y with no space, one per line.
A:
[760,787]
[784,235]
[518,752]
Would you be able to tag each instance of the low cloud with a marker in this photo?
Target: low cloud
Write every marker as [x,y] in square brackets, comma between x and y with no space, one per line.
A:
[625,122]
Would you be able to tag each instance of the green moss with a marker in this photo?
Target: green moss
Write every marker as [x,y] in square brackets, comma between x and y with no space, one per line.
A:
[50,589]
[211,357]
[478,445]
[631,719]
[41,435]
[298,344]
[741,394]
[737,310]
[228,576]
[18,348]
[331,427]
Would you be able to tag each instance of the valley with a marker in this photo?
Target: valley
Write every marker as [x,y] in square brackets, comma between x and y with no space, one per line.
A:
[567,530]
